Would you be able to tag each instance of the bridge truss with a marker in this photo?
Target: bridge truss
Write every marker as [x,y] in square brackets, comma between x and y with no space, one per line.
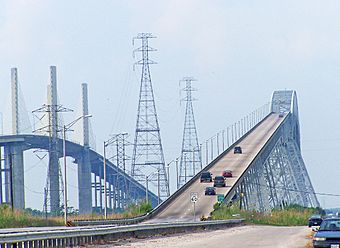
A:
[270,173]
[278,176]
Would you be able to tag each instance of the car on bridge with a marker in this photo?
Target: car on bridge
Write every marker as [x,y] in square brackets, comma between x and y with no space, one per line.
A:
[206,176]
[237,150]
[314,220]
[210,191]
[219,181]
[328,235]
[227,173]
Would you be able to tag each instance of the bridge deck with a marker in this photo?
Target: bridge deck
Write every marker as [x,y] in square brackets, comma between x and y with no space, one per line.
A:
[181,208]
[74,150]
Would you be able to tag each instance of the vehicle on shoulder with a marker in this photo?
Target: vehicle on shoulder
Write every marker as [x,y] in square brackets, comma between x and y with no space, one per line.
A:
[206,176]
[314,220]
[328,235]
[227,173]
[219,181]
[237,149]
[210,191]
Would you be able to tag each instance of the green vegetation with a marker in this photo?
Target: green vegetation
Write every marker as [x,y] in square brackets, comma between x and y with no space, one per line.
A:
[133,210]
[293,215]
[31,217]
[16,218]
[137,210]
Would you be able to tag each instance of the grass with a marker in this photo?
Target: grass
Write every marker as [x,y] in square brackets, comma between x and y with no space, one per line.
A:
[137,210]
[16,218]
[290,216]
[133,210]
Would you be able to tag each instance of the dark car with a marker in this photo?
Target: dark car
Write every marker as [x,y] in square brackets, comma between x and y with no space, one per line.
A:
[281,115]
[210,191]
[227,173]
[206,176]
[237,149]
[219,181]
[314,220]
[328,234]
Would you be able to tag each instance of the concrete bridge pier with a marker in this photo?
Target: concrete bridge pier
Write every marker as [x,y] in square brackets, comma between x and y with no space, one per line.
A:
[85,183]
[97,191]
[6,172]
[110,195]
[14,176]
[84,167]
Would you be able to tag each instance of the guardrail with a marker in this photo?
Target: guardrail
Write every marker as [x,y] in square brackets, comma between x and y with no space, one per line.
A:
[118,222]
[69,237]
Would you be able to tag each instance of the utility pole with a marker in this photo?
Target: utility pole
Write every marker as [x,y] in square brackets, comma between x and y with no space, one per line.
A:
[146,189]
[147,150]
[190,156]
[67,128]
[177,175]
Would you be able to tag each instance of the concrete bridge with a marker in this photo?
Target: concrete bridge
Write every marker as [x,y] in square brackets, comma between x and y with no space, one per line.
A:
[14,147]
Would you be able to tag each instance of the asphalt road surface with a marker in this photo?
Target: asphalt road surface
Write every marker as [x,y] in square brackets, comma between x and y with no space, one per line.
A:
[181,208]
[237,237]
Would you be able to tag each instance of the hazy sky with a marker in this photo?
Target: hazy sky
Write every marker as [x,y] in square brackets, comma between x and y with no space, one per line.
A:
[240,52]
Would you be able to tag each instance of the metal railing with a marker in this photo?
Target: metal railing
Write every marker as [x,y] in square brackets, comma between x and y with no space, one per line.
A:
[69,237]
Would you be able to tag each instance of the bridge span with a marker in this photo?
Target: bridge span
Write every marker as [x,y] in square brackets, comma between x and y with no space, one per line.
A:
[269,173]
[14,147]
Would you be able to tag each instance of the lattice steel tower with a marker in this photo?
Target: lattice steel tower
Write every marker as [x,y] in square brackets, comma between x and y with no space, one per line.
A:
[52,111]
[190,162]
[148,158]
[121,185]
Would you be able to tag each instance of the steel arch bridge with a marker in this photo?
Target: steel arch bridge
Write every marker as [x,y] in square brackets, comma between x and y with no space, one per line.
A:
[13,170]
[270,173]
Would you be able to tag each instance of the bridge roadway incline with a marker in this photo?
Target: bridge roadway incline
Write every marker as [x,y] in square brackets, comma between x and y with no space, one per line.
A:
[181,208]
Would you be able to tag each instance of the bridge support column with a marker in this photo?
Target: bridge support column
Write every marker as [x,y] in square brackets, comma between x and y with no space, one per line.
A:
[18,178]
[7,175]
[85,184]
[110,196]
[84,167]
[94,186]
[101,191]
[1,175]
[53,164]
[54,180]
[14,176]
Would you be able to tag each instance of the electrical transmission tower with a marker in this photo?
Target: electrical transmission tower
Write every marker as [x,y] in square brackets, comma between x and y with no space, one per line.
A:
[190,162]
[51,112]
[121,185]
[148,159]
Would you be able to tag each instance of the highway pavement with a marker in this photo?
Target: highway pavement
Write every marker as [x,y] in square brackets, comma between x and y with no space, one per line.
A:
[236,237]
[182,209]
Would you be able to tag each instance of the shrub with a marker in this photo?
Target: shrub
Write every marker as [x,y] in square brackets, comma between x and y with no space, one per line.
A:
[293,215]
